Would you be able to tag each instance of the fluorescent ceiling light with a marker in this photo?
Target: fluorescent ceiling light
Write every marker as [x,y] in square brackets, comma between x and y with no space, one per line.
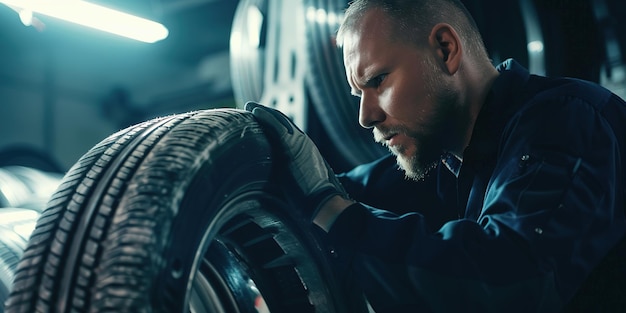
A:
[94,16]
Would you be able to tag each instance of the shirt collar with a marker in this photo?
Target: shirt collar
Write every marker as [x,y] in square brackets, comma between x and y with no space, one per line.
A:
[452,162]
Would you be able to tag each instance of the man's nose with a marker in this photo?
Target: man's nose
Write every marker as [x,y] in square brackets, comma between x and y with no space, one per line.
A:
[370,112]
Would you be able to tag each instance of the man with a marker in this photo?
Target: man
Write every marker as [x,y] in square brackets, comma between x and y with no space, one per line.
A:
[539,166]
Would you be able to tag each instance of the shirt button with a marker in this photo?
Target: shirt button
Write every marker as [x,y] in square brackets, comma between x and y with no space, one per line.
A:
[539,230]
[525,157]
[333,253]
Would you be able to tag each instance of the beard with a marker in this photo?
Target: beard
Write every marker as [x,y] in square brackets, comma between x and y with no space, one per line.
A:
[419,164]
[431,144]
[415,168]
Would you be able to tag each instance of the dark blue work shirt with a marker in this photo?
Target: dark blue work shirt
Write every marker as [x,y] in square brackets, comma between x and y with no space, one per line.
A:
[533,223]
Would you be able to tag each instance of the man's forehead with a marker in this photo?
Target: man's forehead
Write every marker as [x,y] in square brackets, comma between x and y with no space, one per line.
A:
[371,31]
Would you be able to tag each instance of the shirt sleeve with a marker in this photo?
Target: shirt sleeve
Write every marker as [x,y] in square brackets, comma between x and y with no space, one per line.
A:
[382,185]
[552,210]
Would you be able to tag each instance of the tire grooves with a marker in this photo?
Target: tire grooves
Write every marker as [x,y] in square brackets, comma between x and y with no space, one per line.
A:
[101,188]
[114,213]
[29,273]
[152,198]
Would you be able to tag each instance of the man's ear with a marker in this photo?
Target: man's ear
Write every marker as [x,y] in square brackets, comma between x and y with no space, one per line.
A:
[444,39]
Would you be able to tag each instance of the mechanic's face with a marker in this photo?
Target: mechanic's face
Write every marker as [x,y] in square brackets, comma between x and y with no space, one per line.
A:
[405,97]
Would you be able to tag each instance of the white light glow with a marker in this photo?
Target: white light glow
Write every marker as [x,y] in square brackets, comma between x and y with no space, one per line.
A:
[95,16]
[332,18]
[310,13]
[320,16]
[255,24]
[26,16]
[235,42]
[25,229]
[535,46]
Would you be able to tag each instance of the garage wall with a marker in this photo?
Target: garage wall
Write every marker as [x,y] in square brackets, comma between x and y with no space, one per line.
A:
[37,112]
[47,112]
[64,88]
[64,98]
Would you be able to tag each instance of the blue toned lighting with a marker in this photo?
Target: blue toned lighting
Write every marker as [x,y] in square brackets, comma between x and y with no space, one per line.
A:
[94,16]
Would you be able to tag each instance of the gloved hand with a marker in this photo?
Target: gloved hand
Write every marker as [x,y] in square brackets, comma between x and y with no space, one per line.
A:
[312,174]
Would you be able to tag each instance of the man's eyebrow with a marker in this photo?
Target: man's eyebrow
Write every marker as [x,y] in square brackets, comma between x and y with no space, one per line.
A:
[368,77]
[368,81]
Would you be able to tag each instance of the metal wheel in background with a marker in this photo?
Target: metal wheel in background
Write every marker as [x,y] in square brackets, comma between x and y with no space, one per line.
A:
[336,108]
[247,50]
[274,64]
[268,56]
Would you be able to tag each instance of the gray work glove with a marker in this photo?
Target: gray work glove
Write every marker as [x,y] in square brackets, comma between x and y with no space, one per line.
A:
[312,174]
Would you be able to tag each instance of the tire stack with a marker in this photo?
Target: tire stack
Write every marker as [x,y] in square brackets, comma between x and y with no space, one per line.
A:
[24,192]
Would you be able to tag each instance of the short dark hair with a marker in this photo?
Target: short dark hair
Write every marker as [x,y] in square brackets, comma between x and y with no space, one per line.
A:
[412,20]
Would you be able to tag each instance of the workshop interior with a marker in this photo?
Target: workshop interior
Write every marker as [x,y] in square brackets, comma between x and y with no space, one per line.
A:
[98,125]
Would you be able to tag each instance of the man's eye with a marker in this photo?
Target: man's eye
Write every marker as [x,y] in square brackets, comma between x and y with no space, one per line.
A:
[376,81]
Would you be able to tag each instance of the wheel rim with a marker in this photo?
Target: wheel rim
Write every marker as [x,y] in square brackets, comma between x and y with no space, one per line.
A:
[256,261]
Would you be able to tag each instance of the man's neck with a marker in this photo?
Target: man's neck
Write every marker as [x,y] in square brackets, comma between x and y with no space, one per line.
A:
[478,88]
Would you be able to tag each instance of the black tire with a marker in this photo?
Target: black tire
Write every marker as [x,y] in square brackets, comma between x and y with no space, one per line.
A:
[177,214]
[16,225]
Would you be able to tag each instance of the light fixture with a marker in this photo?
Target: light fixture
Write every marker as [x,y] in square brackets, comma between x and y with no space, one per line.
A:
[535,46]
[94,16]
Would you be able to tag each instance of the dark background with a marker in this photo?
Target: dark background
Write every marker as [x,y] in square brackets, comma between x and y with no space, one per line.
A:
[65,88]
